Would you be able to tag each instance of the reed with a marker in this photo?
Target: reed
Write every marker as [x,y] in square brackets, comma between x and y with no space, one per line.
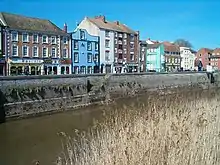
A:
[175,129]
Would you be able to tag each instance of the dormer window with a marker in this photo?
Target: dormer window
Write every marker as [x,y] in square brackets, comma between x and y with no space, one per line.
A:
[25,37]
[44,39]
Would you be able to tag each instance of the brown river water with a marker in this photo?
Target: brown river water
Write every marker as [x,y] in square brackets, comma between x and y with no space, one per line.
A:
[27,140]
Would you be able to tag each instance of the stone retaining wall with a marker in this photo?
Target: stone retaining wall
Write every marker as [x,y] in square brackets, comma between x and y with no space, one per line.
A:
[31,95]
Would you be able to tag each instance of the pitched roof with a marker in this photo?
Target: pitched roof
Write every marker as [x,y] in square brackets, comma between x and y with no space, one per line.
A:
[153,45]
[28,23]
[115,26]
[217,50]
[205,50]
[170,47]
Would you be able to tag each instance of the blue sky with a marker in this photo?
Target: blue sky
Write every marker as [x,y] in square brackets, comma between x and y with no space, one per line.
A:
[193,20]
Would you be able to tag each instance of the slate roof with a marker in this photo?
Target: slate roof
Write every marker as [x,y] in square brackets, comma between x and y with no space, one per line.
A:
[170,47]
[98,21]
[20,22]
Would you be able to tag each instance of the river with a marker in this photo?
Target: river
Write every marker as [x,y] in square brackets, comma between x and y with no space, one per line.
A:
[23,141]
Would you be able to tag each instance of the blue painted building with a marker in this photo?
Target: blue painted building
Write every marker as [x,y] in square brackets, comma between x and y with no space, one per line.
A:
[85,52]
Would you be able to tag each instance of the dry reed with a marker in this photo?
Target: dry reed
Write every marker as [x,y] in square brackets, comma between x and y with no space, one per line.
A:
[177,129]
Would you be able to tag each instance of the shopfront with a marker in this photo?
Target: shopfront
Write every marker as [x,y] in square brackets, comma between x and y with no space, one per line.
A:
[132,68]
[2,67]
[51,67]
[25,67]
[65,66]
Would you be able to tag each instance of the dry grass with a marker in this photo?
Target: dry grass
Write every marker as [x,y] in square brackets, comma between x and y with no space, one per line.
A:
[180,129]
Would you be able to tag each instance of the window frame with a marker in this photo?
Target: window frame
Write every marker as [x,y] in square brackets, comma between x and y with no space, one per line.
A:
[107,41]
[37,51]
[43,39]
[65,39]
[14,32]
[66,56]
[23,37]
[77,45]
[16,50]
[55,40]
[46,52]
[89,43]
[74,59]
[37,38]
[55,52]
[89,55]
[25,46]
[84,35]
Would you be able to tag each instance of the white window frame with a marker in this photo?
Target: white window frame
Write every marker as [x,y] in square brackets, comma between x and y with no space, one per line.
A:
[12,50]
[55,52]
[37,38]
[43,39]
[65,39]
[13,32]
[27,51]
[107,46]
[76,60]
[43,52]
[55,41]
[107,33]
[66,53]
[107,56]
[37,51]
[23,37]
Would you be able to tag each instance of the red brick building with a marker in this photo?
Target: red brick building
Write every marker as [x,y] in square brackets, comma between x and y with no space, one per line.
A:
[34,46]
[215,59]
[203,55]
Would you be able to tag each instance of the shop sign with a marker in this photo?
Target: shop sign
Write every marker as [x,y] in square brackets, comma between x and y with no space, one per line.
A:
[48,61]
[65,61]
[28,61]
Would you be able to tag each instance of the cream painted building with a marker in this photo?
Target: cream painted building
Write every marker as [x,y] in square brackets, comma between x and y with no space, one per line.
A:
[118,44]
[188,58]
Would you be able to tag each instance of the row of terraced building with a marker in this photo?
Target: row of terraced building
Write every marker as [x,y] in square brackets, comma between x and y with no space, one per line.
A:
[34,46]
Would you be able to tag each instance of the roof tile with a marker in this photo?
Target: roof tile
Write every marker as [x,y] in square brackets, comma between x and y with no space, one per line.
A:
[28,23]
[104,24]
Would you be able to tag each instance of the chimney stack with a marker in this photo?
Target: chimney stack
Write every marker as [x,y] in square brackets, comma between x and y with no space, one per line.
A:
[117,22]
[101,17]
[65,28]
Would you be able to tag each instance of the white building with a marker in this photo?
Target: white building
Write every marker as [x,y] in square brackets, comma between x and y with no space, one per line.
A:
[188,58]
[118,44]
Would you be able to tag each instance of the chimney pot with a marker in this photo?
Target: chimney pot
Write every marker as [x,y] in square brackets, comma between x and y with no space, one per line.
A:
[65,28]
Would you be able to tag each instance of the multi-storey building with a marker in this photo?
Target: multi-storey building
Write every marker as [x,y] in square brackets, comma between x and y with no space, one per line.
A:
[203,55]
[172,57]
[155,57]
[142,55]
[118,44]
[85,52]
[2,59]
[35,46]
[187,58]
[215,59]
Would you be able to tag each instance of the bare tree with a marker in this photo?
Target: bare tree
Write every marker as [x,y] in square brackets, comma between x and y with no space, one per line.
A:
[183,43]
